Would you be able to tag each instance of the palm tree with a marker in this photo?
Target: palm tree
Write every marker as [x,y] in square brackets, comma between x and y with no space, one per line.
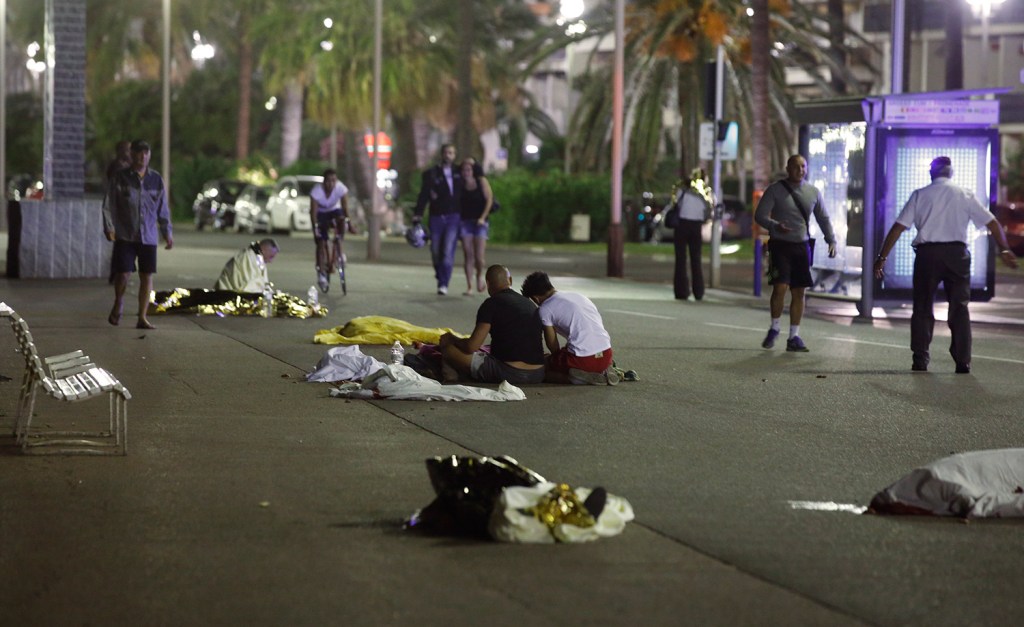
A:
[668,41]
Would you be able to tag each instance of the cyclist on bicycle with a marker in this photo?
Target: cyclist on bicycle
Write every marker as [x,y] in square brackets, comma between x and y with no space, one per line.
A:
[328,209]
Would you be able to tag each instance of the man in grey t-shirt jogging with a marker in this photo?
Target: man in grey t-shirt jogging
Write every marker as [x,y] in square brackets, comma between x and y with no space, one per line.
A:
[785,211]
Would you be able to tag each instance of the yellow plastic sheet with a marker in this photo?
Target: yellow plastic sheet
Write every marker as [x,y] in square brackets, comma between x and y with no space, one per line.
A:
[380,330]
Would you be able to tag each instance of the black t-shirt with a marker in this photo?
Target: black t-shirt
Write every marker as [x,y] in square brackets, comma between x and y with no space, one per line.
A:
[516,332]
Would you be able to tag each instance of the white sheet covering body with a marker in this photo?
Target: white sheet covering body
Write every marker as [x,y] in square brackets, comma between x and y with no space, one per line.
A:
[245,272]
[977,484]
[398,382]
[344,363]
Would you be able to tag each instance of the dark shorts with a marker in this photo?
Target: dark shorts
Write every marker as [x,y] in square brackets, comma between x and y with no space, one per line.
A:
[327,220]
[789,263]
[470,228]
[490,370]
[125,253]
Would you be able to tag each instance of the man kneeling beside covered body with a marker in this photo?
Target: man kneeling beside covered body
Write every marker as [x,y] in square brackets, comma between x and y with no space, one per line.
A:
[586,358]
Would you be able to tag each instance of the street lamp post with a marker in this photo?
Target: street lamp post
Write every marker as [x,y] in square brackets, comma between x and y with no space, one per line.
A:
[615,245]
[983,9]
[165,124]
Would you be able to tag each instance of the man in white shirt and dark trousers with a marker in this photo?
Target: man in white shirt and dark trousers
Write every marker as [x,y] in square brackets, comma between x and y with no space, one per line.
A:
[941,212]
[586,358]
[785,211]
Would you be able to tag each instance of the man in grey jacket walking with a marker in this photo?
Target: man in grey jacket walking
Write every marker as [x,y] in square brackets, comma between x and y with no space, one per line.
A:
[785,211]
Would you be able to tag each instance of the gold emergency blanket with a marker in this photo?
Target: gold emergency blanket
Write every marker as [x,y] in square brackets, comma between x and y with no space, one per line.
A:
[206,302]
[379,330]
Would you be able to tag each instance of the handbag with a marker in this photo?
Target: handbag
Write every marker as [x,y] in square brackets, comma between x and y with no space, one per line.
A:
[672,214]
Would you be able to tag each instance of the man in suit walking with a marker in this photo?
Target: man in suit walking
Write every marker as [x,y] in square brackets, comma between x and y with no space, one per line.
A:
[440,189]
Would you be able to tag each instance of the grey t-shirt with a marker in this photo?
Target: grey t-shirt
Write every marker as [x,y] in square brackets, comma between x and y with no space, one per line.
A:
[778,206]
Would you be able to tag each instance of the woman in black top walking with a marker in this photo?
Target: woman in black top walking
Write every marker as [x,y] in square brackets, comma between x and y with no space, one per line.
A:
[475,206]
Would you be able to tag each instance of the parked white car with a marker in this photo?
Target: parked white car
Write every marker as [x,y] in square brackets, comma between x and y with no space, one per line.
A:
[251,209]
[289,203]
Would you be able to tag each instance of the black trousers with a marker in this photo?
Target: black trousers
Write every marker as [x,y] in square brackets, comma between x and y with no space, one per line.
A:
[688,243]
[950,264]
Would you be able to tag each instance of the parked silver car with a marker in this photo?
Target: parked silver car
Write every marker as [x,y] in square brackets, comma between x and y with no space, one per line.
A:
[736,223]
[251,213]
[289,203]
[215,203]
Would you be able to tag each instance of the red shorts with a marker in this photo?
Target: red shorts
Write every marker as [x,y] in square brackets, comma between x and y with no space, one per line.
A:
[563,360]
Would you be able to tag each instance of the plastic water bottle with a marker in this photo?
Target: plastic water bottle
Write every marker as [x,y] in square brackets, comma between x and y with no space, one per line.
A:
[312,297]
[268,302]
[397,353]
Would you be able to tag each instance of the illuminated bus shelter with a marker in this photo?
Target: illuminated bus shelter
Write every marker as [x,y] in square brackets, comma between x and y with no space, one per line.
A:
[867,156]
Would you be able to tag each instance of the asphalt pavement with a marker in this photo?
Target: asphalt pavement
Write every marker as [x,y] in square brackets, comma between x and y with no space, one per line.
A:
[251,497]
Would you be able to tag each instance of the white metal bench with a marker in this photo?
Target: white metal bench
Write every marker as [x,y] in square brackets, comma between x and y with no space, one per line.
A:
[68,377]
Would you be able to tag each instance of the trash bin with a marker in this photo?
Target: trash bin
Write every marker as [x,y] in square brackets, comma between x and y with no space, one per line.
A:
[579,228]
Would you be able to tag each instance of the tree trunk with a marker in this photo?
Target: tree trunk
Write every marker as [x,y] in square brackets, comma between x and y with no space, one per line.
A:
[245,65]
[836,27]
[682,94]
[759,44]
[291,123]
[954,46]
[403,157]
[464,144]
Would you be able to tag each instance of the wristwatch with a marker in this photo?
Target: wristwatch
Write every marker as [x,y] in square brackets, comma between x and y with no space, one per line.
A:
[881,258]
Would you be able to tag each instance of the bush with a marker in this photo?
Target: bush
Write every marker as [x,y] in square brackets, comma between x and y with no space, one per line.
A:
[187,177]
[538,206]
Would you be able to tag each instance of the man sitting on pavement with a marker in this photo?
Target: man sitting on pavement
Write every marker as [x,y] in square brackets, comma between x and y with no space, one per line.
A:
[247,270]
[586,357]
[517,355]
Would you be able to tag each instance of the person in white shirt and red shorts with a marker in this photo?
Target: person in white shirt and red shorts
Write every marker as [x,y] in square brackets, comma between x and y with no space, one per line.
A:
[586,358]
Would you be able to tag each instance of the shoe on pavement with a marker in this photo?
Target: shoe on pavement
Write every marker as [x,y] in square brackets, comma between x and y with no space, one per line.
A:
[963,368]
[919,367]
[796,345]
[442,289]
[769,340]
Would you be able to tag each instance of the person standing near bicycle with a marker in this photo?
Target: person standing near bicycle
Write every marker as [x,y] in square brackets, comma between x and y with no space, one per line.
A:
[328,209]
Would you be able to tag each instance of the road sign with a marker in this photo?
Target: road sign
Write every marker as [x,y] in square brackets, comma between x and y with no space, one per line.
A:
[729,147]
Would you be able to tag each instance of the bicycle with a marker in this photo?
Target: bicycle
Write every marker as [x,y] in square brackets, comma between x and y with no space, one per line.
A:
[339,262]
[333,258]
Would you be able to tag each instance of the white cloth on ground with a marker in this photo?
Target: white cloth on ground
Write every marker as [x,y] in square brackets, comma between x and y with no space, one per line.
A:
[344,363]
[977,484]
[397,382]
[245,272]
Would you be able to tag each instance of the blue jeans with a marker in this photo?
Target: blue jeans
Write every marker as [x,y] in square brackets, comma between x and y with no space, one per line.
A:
[444,236]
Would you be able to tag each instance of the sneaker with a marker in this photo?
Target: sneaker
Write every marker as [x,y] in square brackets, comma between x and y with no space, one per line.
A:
[796,345]
[769,339]
[442,289]
[582,377]
[919,368]
[322,281]
[963,368]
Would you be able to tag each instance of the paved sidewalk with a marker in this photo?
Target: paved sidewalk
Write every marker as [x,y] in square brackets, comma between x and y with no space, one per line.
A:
[250,497]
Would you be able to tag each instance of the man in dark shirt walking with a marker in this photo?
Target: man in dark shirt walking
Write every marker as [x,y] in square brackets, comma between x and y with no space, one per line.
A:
[134,208]
[512,320]
[441,188]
